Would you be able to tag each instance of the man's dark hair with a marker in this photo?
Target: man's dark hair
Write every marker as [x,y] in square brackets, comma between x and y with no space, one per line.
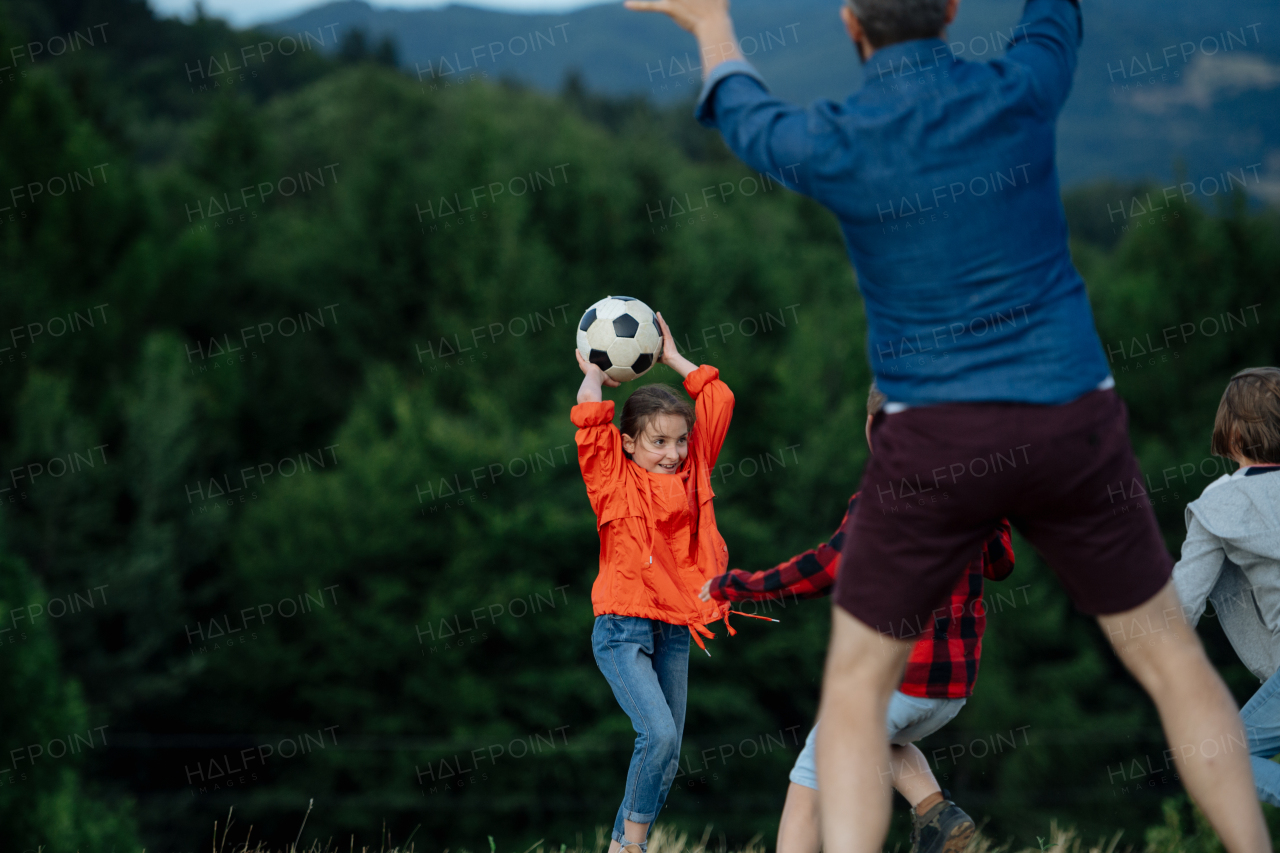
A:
[890,21]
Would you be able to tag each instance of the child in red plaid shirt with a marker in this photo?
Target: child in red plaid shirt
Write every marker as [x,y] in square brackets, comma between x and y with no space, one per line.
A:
[939,678]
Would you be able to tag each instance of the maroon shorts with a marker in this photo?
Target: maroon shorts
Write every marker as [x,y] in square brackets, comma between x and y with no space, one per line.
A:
[940,478]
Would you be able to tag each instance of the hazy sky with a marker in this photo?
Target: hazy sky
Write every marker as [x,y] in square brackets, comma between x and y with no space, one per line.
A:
[245,12]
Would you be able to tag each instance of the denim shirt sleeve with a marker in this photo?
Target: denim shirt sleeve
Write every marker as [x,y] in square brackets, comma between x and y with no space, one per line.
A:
[1046,42]
[704,110]
[768,134]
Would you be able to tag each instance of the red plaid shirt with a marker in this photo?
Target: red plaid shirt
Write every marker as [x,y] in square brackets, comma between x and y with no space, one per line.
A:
[944,661]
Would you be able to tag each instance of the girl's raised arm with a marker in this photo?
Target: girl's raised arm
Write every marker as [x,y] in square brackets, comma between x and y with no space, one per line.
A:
[599,443]
[712,399]
[593,378]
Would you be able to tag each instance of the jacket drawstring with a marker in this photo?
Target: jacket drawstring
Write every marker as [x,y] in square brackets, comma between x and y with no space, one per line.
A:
[695,629]
[744,613]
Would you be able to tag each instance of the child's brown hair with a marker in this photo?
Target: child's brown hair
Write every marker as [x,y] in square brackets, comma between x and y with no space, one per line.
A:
[1248,419]
[649,401]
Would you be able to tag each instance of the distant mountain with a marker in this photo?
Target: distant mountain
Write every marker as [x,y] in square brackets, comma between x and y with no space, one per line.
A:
[1162,85]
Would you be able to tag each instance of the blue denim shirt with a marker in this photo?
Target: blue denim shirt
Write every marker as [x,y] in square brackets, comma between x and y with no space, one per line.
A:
[941,173]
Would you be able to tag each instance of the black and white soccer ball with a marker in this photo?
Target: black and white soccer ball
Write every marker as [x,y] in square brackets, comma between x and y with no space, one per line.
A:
[620,335]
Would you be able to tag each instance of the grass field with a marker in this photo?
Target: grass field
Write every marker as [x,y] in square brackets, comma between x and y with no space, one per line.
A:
[1176,834]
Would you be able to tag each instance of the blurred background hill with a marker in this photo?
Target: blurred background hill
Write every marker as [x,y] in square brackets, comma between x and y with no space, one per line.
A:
[290,508]
[1157,82]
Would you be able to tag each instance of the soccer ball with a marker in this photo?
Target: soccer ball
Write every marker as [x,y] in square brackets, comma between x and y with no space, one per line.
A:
[620,335]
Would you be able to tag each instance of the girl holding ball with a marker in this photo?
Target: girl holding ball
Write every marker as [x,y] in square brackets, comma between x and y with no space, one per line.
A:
[649,485]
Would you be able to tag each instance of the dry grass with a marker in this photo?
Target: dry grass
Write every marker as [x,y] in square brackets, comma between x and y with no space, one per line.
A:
[662,840]
[667,840]
[1059,841]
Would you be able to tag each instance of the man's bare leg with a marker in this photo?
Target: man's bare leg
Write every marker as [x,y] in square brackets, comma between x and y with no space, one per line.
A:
[863,669]
[800,830]
[1200,718]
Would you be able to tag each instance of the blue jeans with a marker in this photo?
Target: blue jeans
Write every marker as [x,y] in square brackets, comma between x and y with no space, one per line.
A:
[646,662]
[1261,716]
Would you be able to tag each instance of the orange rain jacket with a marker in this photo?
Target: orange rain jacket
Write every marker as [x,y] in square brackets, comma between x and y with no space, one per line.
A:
[658,536]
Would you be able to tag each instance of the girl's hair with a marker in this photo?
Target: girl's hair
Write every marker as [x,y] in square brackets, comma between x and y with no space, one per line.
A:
[875,399]
[650,401]
[1248,419]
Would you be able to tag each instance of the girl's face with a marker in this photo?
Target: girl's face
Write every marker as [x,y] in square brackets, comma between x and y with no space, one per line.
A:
[663,445]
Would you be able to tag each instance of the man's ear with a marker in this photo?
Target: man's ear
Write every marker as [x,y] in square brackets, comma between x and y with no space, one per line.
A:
[851,24]
[953,6]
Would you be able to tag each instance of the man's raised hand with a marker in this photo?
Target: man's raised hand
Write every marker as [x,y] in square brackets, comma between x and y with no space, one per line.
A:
[689,14]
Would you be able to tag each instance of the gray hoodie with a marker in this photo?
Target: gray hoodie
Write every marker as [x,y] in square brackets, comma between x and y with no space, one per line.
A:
[1232,557]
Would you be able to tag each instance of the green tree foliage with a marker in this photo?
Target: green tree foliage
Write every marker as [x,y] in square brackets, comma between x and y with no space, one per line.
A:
[345,547]
[48,732]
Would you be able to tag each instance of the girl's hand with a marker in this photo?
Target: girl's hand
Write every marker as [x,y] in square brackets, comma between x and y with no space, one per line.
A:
[671,356]
[592,380]
[705,593]
[593,371]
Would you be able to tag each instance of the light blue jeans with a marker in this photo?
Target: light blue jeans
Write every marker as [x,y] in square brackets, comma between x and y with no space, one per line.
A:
[1261,716]
[910,718]
[646,662]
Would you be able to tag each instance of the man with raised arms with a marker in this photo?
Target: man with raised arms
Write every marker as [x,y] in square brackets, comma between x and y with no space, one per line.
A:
[941,173]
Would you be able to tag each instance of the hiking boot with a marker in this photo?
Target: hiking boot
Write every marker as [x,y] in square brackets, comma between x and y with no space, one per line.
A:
[942,829]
